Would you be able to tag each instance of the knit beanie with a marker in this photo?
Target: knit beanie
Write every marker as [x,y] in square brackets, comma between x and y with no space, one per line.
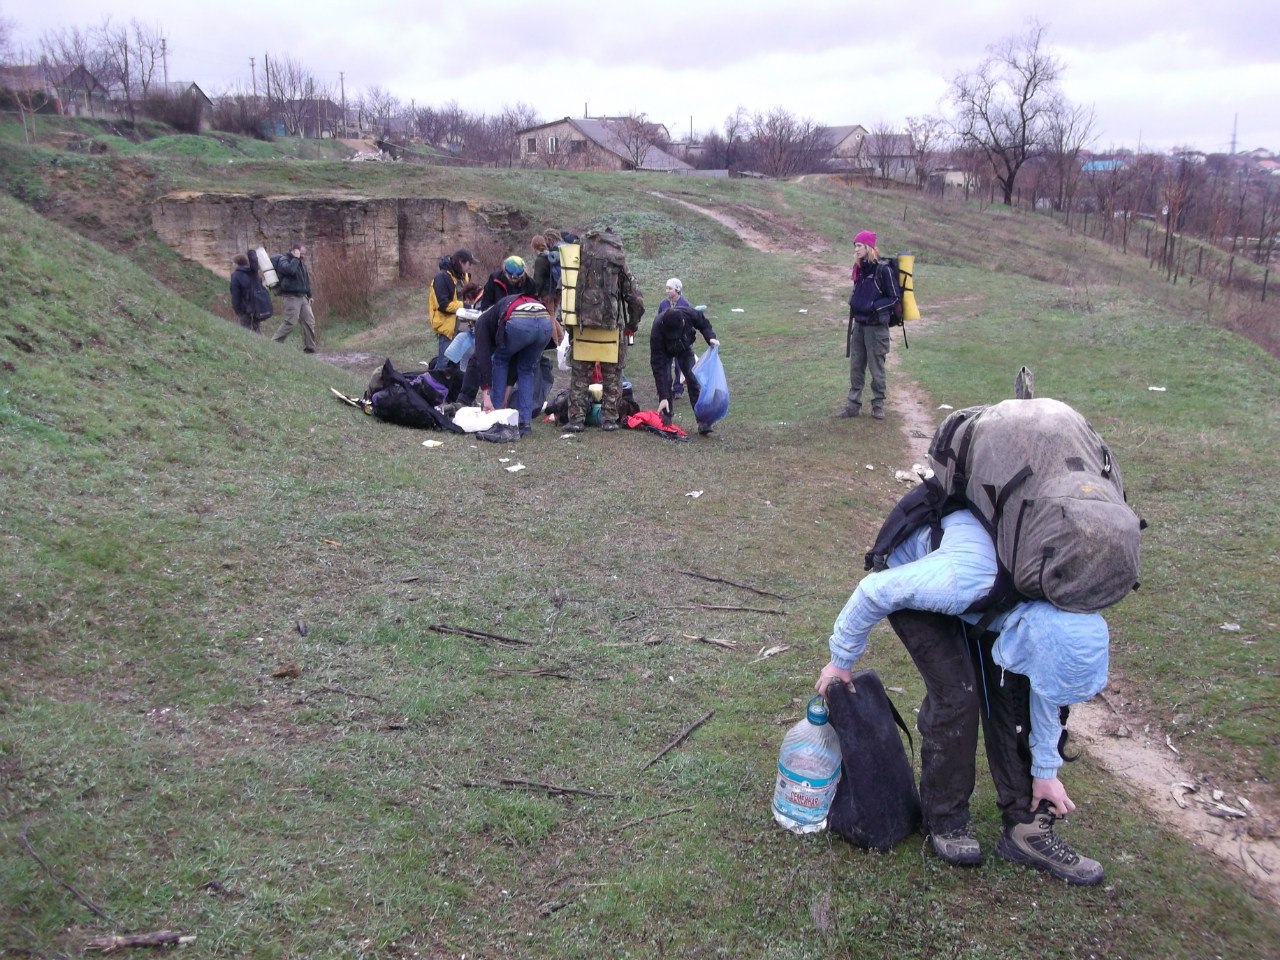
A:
[867,237]
[675,284]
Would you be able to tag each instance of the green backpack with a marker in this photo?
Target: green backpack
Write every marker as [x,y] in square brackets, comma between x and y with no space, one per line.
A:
[603,283]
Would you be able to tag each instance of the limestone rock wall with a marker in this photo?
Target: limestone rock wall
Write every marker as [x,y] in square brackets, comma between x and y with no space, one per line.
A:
[399,237]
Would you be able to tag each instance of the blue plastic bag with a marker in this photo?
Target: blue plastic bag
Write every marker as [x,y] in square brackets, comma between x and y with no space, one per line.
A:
[713,400]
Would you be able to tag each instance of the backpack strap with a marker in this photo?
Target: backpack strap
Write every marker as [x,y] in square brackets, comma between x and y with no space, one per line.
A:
[927,503]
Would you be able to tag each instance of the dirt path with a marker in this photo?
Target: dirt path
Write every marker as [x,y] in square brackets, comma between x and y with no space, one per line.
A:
[1130,748]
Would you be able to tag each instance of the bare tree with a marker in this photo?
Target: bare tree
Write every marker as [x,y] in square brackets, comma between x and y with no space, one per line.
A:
[1069,131]
[928,138]
[289,86]
[376,107]
[737,130]
[634,134]
[1003,107]
[881,142]
[131,54]
[81,61]
[784,144]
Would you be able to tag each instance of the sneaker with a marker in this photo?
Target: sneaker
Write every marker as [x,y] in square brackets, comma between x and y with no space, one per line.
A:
[957,847]
[308,349]
[609,425]
[1035,844]
[877,413]
[704,429]
[573,426]
[850,410]
[526,430]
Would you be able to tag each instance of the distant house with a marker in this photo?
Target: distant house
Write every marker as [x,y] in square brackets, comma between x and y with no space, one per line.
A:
[184,90]
[845,147]
[33,84]
[1104,164]
[597,143]
[82,95]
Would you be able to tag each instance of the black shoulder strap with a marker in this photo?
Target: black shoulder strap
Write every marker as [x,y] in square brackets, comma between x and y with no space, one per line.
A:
[926,504]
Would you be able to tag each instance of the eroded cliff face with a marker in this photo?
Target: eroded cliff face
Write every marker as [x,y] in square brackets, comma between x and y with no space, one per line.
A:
[400,237]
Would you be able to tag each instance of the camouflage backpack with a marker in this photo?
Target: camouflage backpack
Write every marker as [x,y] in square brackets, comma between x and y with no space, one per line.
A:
[1046,487]
[603,282]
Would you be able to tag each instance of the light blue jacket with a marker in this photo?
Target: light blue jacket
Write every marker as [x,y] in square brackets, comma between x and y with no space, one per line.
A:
[1064,655]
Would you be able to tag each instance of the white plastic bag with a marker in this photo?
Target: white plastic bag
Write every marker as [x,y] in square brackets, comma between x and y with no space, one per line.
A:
[474,420]
[562,352]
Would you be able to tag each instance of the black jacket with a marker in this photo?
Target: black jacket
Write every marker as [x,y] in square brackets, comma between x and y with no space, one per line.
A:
[874,293]
[500,285]
[249,298]
[676,329]
[294,279]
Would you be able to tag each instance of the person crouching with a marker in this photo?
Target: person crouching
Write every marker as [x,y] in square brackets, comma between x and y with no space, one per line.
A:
[674,332]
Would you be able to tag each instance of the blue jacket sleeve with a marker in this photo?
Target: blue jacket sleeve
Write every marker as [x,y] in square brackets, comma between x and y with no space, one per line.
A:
[1046,730]
[948,580]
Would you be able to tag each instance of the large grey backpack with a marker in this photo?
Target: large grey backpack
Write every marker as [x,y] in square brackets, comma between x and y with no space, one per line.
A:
[1047,489]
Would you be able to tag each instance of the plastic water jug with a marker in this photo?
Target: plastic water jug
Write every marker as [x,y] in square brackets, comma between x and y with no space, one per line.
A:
[808,772]
[460,347]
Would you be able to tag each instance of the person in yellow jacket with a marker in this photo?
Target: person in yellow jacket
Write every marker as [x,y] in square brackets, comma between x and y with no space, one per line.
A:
[446,297]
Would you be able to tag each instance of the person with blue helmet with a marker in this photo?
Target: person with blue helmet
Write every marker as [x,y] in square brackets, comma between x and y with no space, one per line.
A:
[1016,674]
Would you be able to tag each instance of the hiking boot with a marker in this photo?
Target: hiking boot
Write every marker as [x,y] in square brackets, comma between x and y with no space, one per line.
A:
[574,426]
[308,349]
[877,413]
[525,430]
[609,425]
[704,429]
[1035,844]
[850,410]
[957,847]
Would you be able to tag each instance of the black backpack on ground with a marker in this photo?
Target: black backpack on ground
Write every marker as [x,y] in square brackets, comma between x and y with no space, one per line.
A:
[408,402]
[876,803]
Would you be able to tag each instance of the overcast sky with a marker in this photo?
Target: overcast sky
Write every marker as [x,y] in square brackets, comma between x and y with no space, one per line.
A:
[1160,73]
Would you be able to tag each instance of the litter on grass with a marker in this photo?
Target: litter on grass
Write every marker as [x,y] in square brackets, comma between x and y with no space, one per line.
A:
[1158,389]
[515,468]
[945,406]
[433,443]
[694,493]
[737,310]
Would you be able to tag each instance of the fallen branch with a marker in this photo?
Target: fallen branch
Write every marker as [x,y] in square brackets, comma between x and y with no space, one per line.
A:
[477,634]
[714,641]
[733,583]
[716,606]
[533,672]
[120,942]
[93,907]
[511,783]
[684,734]
[653,816]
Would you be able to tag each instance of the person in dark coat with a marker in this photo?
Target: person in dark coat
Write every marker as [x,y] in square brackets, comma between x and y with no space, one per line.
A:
[674,332]
[249,298]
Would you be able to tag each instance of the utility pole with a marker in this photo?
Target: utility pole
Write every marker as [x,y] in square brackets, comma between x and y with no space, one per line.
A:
[1235,124]
[164,57]
[253,72]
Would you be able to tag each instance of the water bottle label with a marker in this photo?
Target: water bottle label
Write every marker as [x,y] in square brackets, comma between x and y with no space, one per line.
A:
[808,780]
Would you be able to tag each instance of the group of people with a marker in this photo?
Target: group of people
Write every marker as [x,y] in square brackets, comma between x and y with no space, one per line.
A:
[1014,673]
[519,326]
[251,302]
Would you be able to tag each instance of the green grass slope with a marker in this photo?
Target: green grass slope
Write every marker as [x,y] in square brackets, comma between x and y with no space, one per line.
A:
[231,703]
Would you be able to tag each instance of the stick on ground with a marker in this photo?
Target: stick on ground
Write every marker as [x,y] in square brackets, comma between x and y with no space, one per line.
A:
[26,845]
[477,634]
[684,734]
[122,941]
[734,583]
[512,783]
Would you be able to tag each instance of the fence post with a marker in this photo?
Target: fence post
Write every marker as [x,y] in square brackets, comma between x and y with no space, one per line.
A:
[1266,275]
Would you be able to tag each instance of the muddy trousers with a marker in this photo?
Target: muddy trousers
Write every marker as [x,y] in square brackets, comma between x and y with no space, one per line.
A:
[963,687]
[868,351]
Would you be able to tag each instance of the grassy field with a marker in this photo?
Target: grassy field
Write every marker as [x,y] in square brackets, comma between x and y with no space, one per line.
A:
[232,702]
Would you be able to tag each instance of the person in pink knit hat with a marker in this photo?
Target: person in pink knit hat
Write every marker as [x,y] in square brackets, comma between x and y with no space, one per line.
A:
[875,291]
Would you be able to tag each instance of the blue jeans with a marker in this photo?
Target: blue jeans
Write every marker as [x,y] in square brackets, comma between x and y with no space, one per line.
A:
[526,339]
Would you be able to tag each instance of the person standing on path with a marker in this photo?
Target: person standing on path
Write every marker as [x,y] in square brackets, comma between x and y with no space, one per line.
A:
[875,291]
